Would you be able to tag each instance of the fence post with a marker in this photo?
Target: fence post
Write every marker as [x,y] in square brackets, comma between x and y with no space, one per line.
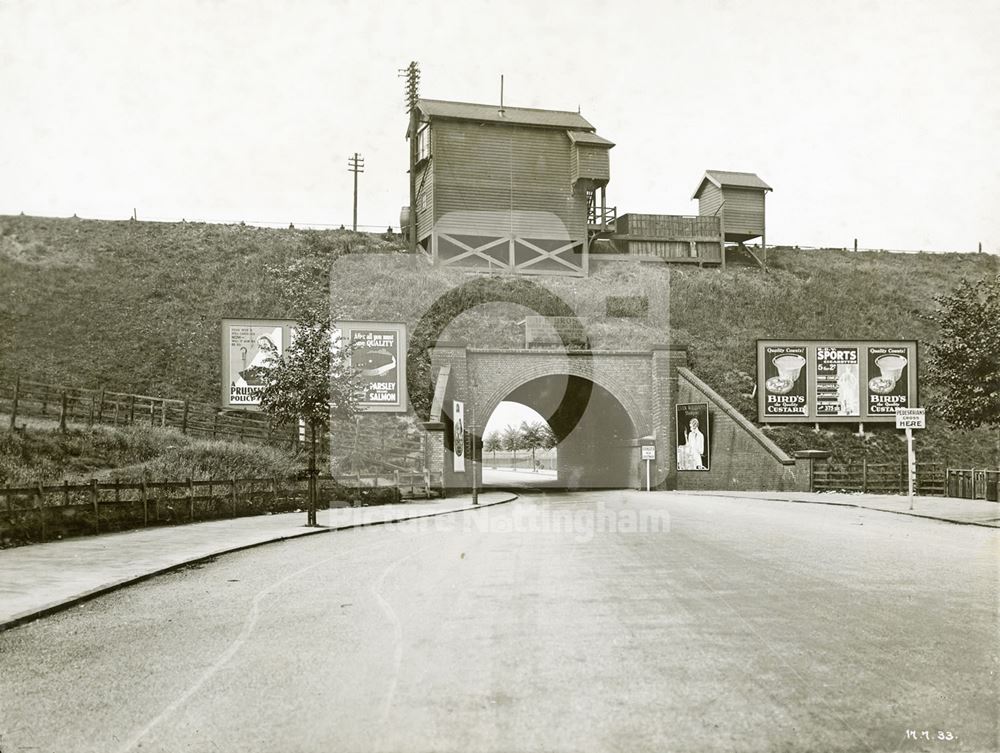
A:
[13,406]
[62,412]
[94,502]
[45,399]
[232,494]
[118,406]
[274,490]
[40,493]
[100,408]
[215,424]
[184,421]
[163,414]
[864,475]
[145,504]
[131,409]
[152,413]
[190,484]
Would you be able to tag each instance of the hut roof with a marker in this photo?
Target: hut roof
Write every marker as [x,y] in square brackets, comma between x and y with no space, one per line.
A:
[720,178]
[586,137]
[437,108]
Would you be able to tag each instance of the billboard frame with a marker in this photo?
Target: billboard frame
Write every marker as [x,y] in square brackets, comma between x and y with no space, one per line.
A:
[863,346]
[344,330]
[286,325]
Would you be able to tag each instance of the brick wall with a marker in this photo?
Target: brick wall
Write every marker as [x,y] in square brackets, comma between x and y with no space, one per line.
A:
[742,457]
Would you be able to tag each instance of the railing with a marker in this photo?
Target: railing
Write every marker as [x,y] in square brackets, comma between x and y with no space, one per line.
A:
[67,405]
[878,478]
[603,218]
[42,512]
[99,406]
[670,227]
[973,483]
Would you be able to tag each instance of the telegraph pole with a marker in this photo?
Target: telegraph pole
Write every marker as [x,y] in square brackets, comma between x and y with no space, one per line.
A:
[411,74]
[356,164]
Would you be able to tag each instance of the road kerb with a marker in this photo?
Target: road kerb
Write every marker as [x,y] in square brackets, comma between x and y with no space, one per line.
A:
[843,503]
[71,601]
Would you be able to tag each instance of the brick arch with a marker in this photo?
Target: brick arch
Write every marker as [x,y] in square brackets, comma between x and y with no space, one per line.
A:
[531,367]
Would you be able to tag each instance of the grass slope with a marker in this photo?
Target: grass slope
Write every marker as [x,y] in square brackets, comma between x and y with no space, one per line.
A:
[131,454]
[136,306]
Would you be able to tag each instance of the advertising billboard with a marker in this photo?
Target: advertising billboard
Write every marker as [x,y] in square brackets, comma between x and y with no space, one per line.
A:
[378,352]
[247,346]
[785,373]
[458,446]
[826,381]
[693,445]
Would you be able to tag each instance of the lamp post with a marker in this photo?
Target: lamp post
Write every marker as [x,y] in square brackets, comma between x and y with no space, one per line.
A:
[472,437]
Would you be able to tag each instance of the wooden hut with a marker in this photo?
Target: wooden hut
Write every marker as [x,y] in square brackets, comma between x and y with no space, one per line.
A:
[507,188]
[739,199]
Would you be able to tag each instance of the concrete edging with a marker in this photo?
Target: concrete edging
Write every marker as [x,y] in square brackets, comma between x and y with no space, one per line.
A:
[841,503]
[60,605]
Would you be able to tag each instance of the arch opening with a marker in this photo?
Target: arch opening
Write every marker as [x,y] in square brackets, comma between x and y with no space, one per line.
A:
[518,448]
[595,439]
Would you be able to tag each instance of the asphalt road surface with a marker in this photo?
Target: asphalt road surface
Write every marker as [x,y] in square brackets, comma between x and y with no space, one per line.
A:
[605,621]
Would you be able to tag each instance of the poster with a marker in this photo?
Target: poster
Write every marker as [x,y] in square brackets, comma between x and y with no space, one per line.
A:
[378,353]
[693,443]
[837,382]
[785,380]
[888,380]
[249,346]
[458,444]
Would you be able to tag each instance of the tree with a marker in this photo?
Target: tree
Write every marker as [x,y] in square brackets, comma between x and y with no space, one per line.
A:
[531,439]
[512,441]
[964,361]
[311,380]
[492,443]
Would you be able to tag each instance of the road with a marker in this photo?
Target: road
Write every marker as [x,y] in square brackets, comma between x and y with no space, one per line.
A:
[602,621]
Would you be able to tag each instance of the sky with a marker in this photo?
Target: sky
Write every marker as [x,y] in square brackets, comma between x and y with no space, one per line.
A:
[874,119]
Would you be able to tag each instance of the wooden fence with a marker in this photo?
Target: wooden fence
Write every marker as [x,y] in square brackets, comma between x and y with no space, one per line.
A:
[973,483]
[878,478]
[65,404]
[78,405]
[41,512]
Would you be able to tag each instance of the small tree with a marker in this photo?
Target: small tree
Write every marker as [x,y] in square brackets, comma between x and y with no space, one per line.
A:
[311,380]
[512,441]
[964,361]
[491,443]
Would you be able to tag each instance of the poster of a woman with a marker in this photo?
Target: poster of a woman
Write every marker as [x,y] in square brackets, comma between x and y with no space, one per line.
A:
[693,448]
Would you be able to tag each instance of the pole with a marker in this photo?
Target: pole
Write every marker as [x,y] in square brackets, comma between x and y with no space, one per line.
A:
[647,474]
[13,408]
[472,438]
[355,164]
[412,75]
[910,464]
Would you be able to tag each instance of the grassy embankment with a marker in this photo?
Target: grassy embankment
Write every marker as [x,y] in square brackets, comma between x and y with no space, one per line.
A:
[136,307]
[42,454]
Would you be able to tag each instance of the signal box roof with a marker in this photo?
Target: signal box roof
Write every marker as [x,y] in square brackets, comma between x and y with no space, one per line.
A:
[723,178]
[437,108]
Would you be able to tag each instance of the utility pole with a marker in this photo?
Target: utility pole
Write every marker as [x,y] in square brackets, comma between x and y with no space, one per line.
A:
[411,74]
[356,164]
